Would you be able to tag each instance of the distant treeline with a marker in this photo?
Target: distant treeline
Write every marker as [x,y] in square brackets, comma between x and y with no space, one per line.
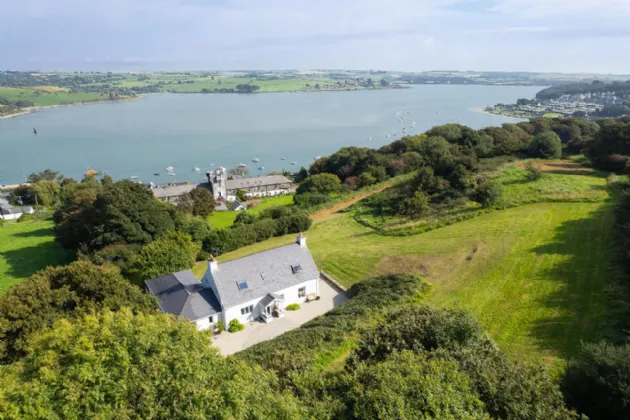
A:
[620,88]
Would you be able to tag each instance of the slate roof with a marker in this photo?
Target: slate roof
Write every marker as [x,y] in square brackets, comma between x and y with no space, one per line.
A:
[171,190]
[236,205]
[260,181]
[270,298]
[181,294]
[265,272]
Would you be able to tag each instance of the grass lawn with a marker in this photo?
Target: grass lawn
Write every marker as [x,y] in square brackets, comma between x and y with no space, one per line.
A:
[223,219]
[553,115]
[44,96]
[26,248]
[536,276]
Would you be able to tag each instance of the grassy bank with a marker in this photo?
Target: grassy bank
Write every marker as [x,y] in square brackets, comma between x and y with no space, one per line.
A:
[223,219]
[537,276]
[26,248]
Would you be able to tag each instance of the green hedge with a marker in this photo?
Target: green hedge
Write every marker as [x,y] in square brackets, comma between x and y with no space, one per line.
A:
[300,349]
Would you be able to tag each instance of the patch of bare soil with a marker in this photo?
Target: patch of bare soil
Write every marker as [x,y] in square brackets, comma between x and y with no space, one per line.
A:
[561,167]
[333,211]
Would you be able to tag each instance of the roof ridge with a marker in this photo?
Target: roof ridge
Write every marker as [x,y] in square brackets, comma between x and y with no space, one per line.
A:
[259,252]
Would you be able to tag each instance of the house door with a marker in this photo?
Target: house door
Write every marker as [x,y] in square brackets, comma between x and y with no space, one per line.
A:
[268,310]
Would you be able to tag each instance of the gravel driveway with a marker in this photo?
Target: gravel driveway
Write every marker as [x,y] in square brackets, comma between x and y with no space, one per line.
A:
[257,331]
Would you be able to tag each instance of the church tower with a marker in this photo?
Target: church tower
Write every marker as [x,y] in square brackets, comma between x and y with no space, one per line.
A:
[218,179]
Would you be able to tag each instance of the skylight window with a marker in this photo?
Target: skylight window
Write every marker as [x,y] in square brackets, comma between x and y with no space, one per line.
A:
[296,268]
[242,285]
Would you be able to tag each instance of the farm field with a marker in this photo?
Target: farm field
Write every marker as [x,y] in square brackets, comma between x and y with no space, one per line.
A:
[26,248]
[536,276]
[44,96]
[223,219]
[279,85]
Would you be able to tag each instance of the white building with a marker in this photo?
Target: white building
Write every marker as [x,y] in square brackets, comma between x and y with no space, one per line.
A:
[260,186]
[258,286]
[8,212]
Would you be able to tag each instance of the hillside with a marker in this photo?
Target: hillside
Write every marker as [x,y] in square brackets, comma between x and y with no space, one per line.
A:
[548,265]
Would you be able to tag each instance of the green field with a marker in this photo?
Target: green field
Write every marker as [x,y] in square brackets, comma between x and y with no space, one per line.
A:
[536,275]
[223,219]
[26,248]
[42,97]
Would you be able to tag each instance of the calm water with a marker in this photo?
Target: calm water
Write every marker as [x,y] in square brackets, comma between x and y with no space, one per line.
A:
[142,137]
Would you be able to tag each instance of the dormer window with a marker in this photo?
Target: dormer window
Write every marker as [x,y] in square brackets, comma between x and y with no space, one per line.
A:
[296,268]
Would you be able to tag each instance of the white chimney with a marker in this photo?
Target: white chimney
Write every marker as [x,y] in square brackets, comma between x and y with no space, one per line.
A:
[301,240]
[213,265]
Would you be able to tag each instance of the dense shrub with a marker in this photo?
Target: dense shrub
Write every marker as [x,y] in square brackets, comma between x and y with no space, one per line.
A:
[320,184]
[310,200]
[297,350]
[508,389]
[597,383]
[293,307]
[175,252]
[412,386]
[533,170]
[62,292]
[545,145]
[124,212]
[487,194]
[121,256]
[198,202]
[235,326]
[121,365]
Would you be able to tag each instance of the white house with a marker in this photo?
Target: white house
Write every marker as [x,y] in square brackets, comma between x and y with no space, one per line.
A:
[258,286]
[8,212]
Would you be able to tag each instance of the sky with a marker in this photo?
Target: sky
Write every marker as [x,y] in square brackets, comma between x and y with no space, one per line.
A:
[571,36]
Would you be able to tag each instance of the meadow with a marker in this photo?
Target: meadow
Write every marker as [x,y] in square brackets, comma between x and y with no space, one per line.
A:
[538,276]
[26,248]
[223,219]
[45,96]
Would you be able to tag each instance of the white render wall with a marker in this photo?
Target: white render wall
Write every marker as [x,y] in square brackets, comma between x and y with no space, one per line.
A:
[204,323]
[270,193]
[11,216]
[290,296]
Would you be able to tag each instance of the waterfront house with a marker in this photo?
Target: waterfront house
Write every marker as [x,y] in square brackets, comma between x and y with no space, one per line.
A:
[225,189]
[258,286]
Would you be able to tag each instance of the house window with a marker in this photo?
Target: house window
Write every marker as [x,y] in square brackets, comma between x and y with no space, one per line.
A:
[302,292]
[210,319]
[247,310]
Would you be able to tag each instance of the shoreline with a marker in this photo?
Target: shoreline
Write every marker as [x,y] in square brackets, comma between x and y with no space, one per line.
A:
[34,109]
[483,111]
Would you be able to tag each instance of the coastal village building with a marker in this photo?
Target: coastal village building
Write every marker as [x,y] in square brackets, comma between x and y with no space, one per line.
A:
[8,212]
[225,189]
[170,192]
[258,286]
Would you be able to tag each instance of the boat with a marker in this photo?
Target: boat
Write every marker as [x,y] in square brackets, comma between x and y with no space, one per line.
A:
[91,172]
[134,177]
[255,160]
[262,168]
[195,169]
[283,158]
[316,157]
[172,174]
[242,165]
[156,174]
[293,163]
[170,169]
